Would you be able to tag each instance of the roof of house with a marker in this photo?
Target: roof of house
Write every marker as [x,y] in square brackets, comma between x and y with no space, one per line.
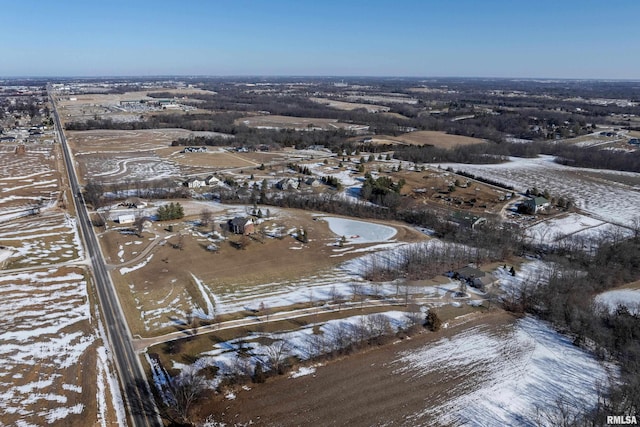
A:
[469,272]
[539,201]
[125,219]
[240,221]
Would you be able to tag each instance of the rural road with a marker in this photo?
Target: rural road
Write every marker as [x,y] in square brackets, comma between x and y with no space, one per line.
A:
[139,401]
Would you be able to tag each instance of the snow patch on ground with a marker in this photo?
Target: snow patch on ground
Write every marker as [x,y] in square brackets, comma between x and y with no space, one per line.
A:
[125,270]
[303,371]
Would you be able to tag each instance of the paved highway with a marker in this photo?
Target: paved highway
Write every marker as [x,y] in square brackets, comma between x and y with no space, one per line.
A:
[138,398]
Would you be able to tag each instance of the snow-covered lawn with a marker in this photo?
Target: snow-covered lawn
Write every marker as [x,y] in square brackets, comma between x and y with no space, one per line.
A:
[629,298]
[504,377]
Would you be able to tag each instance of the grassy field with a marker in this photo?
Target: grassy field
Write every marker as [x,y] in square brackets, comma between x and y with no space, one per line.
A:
[425,137]
[163,285]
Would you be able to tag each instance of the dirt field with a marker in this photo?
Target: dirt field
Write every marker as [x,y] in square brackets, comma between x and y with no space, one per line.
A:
[424,137]
[359,390]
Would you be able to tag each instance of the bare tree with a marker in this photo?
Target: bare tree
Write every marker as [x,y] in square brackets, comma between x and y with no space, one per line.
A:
[635,225]
[139,225]
[379,325]
[277,354]
[316,345]
[415,315]
[339,337]
[358,293]
[205,217]
[336,296]
[183,392]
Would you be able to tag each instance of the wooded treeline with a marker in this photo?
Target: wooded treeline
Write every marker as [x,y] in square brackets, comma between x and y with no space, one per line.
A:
[565,154]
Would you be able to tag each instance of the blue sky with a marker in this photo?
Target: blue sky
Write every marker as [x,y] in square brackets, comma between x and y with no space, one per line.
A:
[467,38]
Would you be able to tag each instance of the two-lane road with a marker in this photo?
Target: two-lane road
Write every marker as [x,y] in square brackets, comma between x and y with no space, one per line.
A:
[139,400]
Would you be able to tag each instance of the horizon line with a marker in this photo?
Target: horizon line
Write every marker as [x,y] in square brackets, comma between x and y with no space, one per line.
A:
[308,76]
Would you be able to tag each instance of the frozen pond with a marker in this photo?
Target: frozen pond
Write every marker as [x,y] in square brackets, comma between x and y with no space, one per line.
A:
[360,231]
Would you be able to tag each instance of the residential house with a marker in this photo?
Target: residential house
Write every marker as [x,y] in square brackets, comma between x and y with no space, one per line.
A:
[474,277]
[241,225]
[194,183]
[288,183]
[314,182]
[194,150]
[212,180]
[536,204]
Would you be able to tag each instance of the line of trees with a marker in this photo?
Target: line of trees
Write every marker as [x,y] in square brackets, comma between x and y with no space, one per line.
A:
[97,192]
[565,154]
[415,262]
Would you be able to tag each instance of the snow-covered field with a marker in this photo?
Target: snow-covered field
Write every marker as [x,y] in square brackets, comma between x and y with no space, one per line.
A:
[50,350]
[54,364]
[511,376]
[629,298]
[46,239]
[113,168]
[576,226]
[596,194]
[27,180]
